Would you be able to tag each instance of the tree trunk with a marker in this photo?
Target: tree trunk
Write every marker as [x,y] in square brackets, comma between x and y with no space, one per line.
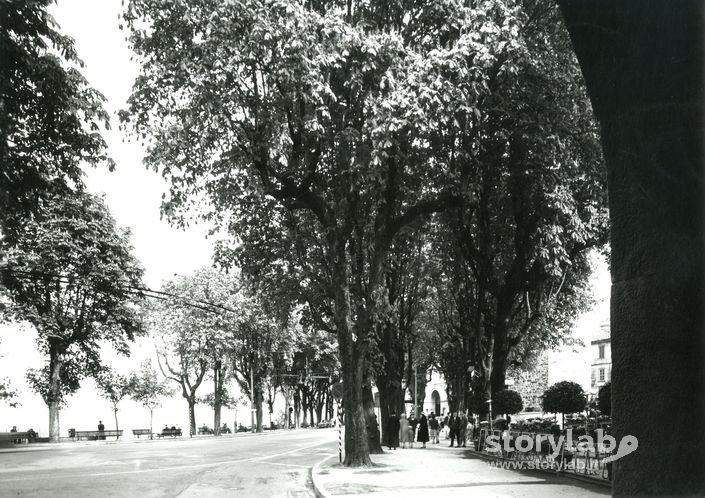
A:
[216,418]
[259,397]
[54,400]
[371,422]
[304,405]
[498,378]
[115,410]
[192,414]
[217,396]
[357,452]
[151,420]
[54,429]
[297,408]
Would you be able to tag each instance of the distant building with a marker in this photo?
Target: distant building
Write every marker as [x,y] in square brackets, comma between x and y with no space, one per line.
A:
[601,366]
[435,396]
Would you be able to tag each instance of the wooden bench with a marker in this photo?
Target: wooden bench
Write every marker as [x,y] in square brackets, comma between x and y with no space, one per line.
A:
[170,432]
[98,435]
[141,432]
[10,438]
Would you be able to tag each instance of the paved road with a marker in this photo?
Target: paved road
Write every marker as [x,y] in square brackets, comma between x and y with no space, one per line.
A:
[265,465]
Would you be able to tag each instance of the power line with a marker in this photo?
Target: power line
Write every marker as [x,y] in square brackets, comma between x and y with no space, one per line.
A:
[142,291]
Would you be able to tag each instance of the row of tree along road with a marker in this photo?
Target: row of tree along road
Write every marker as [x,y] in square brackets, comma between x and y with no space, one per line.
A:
[393,186]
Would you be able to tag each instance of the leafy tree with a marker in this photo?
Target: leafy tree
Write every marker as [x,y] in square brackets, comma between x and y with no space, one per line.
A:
[70,274]
[263,341]
[604,399]
[515,266]
[50,118]
[564,397]
[211,286]
[307,122]
[507,402]
[145,387]
[182,335]
[113,387]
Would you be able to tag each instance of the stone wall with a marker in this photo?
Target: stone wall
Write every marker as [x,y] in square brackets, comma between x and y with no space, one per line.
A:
[530,383]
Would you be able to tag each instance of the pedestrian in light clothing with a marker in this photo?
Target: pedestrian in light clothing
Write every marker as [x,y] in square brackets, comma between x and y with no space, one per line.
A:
[422,435]
[412,430]
[393,431]
[403,431]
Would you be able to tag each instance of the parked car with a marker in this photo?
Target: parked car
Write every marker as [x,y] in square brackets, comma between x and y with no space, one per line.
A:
[324,424]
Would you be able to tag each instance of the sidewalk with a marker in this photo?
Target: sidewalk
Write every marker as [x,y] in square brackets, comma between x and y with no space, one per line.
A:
[442,471]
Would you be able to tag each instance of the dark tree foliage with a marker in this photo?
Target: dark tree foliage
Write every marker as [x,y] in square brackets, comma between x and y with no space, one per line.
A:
[50,118]
[604,400]
[507,402]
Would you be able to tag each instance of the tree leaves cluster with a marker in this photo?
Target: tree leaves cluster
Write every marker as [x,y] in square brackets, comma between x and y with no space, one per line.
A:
[50,117]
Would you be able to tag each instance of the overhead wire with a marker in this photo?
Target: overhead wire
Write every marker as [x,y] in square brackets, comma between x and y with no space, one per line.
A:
[203,305]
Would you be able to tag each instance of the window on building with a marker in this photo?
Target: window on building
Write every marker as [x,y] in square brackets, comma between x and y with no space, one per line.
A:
[601,351]
[602,375]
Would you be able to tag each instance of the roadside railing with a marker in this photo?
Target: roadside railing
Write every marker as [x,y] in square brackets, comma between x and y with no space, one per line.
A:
[564,453]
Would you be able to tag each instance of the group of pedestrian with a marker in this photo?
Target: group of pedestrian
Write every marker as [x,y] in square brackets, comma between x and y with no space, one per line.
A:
[458,428]
[403,431]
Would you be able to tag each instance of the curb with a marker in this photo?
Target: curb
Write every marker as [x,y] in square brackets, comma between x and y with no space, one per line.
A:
[318,489]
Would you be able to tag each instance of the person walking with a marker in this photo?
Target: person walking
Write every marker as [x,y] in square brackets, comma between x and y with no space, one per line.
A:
[422,435]
[469,432]
[393,431]
[433,428]
[403,431]
[462,426]
[412,430]
[453,424]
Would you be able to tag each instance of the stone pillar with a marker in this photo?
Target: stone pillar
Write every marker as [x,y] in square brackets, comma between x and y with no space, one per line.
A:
[643,65]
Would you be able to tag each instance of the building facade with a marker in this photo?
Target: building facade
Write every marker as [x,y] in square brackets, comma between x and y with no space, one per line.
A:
[601,351]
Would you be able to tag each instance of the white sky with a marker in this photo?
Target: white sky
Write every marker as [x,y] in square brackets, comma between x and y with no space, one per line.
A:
[132,192]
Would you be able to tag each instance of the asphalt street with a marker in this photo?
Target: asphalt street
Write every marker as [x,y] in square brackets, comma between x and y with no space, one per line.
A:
[261,465]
